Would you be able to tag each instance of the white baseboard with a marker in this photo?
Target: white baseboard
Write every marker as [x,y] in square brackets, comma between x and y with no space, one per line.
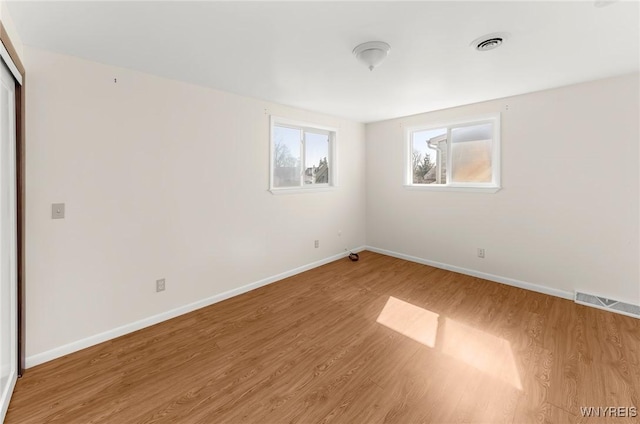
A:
[504,280]
[60,351]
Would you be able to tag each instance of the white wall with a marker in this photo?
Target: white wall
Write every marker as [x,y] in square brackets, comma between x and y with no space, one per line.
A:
[567,217]
[161,179]
[9,26]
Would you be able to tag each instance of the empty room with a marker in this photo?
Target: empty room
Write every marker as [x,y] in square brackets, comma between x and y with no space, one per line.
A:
[319,212]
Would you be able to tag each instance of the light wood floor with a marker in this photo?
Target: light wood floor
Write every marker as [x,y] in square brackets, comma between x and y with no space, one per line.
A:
[309,349]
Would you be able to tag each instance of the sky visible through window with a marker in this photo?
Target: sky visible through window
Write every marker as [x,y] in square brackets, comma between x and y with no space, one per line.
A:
[290,138]
[420,138]
[317,145]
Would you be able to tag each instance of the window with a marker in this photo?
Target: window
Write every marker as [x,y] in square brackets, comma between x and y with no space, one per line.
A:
[302,156]
[463,155]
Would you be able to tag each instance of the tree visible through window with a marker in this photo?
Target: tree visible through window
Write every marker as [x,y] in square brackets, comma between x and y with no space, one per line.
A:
[301,155]
[459,155]
[429,156]
[286,157]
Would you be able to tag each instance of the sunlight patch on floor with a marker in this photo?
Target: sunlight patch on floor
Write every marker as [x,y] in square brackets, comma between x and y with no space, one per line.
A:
[409,320]
[485,352]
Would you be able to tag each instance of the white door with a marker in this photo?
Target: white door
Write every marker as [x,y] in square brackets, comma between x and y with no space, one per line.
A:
[8,270]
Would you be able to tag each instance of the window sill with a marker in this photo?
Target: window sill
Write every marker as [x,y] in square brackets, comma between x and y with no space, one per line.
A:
[278,191]
[462,189]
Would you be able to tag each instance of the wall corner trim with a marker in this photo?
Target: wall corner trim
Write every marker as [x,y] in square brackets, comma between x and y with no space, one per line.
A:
[491,277]
[49,355]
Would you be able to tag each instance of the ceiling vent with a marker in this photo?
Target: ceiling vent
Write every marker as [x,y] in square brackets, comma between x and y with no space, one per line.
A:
[603,3]
[489,41]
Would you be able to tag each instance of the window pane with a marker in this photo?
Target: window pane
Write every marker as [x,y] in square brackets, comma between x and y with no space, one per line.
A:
[429,156]
[286,157]
[316,158]
[471,153]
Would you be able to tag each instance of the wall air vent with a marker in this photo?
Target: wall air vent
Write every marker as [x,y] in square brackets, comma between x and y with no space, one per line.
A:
[607,304]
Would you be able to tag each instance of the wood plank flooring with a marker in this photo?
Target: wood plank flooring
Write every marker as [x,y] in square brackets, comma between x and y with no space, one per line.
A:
[309,349]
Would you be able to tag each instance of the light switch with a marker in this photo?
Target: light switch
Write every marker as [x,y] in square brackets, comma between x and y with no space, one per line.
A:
[57,211]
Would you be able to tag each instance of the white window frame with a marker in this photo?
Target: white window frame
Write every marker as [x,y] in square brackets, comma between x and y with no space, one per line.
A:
[490,187]
[332,157]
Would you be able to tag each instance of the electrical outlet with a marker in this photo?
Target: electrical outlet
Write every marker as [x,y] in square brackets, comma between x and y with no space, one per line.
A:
[160,285]
[480,253]
[57,211]
[316,244]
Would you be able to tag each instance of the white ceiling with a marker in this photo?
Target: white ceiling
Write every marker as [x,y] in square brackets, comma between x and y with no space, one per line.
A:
[299,53]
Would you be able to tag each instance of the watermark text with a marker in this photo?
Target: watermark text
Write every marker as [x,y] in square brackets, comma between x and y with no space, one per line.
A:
[609,411]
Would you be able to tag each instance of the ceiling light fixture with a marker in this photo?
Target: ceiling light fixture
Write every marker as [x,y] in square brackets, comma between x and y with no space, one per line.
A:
[372,53]
[489,41]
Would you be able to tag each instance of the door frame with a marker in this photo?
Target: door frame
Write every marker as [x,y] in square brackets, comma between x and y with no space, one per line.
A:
[20,213]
